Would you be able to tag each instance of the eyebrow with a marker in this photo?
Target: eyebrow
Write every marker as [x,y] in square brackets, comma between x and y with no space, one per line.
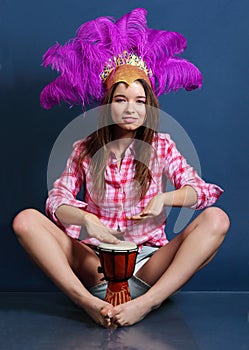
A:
[120,95]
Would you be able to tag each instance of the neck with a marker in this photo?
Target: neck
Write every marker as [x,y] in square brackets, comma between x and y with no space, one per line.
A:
[122,140]
[119,146]
[120,133]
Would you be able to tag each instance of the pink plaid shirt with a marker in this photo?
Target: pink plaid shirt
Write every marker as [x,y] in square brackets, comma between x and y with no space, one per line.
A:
[122,197]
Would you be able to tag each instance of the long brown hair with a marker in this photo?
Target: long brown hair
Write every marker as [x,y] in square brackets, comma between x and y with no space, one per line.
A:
[95,146]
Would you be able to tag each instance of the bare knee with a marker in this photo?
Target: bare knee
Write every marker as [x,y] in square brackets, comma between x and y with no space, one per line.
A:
[218,220]
[23,221]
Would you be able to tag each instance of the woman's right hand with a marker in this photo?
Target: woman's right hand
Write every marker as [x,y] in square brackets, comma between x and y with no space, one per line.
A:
[96,229]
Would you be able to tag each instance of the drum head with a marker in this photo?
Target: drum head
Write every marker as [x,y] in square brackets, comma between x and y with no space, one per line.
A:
[122,246]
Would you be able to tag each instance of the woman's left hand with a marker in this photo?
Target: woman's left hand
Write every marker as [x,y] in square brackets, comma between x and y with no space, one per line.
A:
[153,208]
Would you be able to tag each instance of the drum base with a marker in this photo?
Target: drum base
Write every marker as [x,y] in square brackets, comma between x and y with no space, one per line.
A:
[117,293]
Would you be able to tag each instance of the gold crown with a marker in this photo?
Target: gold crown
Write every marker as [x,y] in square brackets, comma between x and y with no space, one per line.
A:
[125,67]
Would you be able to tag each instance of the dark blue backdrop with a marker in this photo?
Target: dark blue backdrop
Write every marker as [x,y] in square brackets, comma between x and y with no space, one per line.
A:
[216,117]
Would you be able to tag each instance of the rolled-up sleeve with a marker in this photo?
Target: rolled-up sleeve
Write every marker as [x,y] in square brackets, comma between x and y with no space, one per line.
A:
[181,174]
[65,190]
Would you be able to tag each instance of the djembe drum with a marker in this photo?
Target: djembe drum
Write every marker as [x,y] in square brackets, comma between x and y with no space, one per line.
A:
[117,264]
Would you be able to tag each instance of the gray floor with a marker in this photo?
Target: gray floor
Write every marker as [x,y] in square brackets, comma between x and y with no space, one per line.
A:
[49,321]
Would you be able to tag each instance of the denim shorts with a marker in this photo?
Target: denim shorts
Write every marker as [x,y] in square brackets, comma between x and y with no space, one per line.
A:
[136,285]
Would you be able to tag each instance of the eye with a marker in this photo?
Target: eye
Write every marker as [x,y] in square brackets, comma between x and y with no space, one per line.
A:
[141,102]
[119,100]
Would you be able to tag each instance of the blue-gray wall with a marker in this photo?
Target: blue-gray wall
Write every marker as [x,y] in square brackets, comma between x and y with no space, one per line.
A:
[215,118]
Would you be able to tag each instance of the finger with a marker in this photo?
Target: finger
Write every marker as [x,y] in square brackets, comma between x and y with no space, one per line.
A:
[109,238]
[115,236]
[135,217]
[150,212]
[120,236]
[141,216]
[100,238]
[116,233]
[146,212]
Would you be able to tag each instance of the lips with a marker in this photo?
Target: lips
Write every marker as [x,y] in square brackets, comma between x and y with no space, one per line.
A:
[129,119]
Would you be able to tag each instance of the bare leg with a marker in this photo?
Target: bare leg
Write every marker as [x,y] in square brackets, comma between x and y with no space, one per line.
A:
[173,265]
[67,262]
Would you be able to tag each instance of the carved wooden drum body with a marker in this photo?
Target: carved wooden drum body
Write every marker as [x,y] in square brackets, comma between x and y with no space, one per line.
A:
[117,264]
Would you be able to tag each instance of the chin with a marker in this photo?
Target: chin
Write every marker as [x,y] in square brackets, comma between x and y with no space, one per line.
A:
[129,130]
[129,127]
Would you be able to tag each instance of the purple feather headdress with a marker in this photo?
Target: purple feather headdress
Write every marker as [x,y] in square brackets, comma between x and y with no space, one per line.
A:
[104,44]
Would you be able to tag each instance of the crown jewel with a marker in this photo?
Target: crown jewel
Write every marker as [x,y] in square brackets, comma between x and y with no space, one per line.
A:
[122,59]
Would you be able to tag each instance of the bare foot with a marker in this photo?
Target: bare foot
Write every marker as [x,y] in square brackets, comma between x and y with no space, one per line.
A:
[131,312]
[100,311]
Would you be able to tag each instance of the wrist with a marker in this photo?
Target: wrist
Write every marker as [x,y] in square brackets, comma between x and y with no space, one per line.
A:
[85,217]
[183,197]
[167,199]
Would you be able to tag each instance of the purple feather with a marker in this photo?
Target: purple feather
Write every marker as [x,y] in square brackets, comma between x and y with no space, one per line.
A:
[133,30]
[178,73]
[81,60]
[164,43]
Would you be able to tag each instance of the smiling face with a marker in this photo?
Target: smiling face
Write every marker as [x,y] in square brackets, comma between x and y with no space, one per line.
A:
[128,108]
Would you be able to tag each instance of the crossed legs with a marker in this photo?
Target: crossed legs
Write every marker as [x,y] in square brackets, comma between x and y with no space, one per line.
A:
[174,264]
[71,265]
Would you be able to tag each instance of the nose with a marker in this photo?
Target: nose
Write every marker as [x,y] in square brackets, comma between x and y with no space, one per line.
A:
[129,108]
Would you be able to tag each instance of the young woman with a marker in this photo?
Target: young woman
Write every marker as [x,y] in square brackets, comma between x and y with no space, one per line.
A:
[123,166]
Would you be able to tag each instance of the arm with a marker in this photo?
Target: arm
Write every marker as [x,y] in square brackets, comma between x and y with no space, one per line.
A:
[71,215]
[64,192]
[181,175]
[67,211]
[191,191]
[183,197]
